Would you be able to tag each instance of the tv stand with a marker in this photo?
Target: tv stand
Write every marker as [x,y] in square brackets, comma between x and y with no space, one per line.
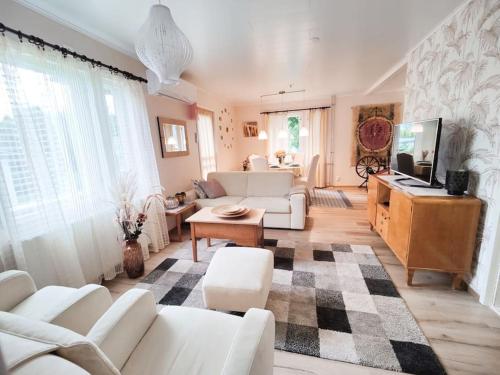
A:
[425,232]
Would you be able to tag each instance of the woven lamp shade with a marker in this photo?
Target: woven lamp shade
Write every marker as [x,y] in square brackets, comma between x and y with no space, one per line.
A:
[162,46]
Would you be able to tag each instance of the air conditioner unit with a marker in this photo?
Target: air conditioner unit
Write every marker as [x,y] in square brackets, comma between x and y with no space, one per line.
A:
[183,91]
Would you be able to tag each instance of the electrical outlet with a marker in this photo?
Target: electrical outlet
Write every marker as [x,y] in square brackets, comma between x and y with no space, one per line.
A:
[338,179]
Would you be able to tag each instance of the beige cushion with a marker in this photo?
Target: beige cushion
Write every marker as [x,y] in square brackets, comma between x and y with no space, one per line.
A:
[238,278]
[234,183]
[184,340]
[200,203]
[269,184]
[23,339]
[272,205]
[212,188]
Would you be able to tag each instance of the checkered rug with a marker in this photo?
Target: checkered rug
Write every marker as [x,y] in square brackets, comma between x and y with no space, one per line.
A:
[331,301]
[330,198]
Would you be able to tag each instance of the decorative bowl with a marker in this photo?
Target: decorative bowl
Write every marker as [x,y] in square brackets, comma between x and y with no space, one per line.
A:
[171,202]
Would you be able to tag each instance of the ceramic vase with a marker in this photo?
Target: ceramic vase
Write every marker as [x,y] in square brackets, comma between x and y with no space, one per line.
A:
[133,261]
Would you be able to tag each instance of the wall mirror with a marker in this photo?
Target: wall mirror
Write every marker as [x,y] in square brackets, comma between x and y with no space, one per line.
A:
[173,137]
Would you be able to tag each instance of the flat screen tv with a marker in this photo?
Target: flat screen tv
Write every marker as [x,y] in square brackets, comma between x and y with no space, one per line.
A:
[414,152]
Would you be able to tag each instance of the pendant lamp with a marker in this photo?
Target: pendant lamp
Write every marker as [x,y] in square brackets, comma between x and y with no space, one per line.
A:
[162,47]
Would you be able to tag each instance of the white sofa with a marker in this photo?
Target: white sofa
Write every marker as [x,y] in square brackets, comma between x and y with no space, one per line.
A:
[274,191]
[132,337]
[75,309]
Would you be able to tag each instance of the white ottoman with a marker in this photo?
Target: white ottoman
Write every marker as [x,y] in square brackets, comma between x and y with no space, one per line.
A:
[238,278]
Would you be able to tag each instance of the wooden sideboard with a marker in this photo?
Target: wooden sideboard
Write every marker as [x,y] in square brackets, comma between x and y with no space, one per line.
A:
[424,232]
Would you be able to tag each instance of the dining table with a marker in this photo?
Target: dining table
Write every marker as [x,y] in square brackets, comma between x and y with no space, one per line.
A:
[296,169]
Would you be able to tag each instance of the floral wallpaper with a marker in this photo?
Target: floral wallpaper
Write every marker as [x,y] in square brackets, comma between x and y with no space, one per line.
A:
[455,74]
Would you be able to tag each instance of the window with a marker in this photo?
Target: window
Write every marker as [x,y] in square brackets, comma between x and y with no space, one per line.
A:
[206,142]
[293,133]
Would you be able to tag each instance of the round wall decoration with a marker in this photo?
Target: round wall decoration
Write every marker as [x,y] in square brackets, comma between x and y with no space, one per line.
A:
[375,134]
[226,128]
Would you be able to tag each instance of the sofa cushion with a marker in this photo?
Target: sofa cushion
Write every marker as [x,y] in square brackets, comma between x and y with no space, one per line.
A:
[184,340]
[269,184]
[201,203]
[48,364]
[234,183]
[23,339]
[212,188]
[38,306]
[198,190]
[272,205]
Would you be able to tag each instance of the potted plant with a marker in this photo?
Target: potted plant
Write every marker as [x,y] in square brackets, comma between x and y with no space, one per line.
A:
[280,155]
[131,222]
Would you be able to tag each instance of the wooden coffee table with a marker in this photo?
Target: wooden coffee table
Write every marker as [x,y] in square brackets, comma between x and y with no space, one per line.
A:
[245,231]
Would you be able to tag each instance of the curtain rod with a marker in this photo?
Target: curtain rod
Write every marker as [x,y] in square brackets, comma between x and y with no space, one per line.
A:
[293,110]
[40,43]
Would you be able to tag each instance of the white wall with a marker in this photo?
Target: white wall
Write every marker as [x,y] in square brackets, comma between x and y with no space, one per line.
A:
[344,174]
[470,137]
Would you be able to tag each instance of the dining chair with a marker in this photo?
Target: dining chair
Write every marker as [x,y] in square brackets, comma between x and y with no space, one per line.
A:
[309,180]
[273,160]
[258,163]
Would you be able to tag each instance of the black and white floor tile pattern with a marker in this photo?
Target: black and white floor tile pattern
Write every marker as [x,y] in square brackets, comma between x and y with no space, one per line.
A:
[332,301]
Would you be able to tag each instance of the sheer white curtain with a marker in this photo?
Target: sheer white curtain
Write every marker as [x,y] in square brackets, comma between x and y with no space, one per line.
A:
[318,142]
[206,142]
[67,133]
[275,123]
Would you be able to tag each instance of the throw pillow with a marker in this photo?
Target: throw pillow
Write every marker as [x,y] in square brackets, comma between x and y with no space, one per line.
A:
[212,188]
[199,191]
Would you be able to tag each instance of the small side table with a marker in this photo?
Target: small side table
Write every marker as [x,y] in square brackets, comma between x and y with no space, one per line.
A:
[177,213]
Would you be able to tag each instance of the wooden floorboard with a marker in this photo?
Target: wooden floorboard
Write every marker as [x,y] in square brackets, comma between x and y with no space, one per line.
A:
[464,334]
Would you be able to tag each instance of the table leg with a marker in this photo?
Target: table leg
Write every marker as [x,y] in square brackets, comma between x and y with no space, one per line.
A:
[261,233]
[209,242]
[178,219]
[409,276]
[457,281]
[193,243]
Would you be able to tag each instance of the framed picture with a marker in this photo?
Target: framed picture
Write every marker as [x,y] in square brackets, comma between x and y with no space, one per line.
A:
[173,137]
[250,129]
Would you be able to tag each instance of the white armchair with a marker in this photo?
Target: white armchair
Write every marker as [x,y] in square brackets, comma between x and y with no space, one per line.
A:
[132,337]
[75,309]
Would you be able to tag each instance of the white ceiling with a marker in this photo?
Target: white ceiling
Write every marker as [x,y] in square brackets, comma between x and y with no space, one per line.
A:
[245,48]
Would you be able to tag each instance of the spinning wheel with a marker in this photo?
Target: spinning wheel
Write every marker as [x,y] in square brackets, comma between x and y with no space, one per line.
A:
[374,137]
[366,166]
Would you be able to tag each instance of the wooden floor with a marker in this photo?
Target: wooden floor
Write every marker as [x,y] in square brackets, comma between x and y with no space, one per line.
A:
[464,334]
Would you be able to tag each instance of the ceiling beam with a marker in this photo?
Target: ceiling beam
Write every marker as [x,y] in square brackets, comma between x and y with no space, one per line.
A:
[387,75]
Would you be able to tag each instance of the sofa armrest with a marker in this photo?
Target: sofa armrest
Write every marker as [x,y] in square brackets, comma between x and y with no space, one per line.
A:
[15,287]
[298,208]
[252,349]
[121,328]
[81,310]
